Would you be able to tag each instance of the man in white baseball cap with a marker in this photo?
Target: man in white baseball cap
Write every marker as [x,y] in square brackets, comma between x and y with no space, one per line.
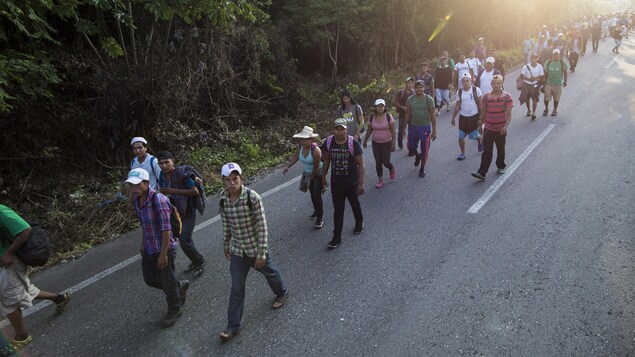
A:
[145,161]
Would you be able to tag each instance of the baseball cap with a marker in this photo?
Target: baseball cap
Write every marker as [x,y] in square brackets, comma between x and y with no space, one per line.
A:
[135,176]
[420,83]
[380,102]
[230,167]
[556,51]
[490,60]
[340,122]
[409,79]
[138,139]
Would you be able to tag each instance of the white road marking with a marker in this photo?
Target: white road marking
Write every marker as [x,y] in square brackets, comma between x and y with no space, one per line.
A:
[37,307]
[510,170]
[612,62]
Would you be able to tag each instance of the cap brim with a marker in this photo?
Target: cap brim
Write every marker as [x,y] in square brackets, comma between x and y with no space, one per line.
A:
[134,180]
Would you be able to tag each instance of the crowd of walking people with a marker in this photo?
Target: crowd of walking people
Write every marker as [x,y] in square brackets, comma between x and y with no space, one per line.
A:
[166,196]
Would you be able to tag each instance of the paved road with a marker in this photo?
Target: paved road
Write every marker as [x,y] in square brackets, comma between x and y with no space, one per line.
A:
[546,267]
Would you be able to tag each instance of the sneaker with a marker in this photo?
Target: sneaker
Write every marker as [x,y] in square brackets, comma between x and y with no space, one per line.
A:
[502,171]
[171,317]
[334,243]
[183,286]
[529,113]
[319,223]
[313,216]
[481,147]
[400,146]
[422,172]
[59,309]
[379,184]
[417,159]
[461,157]
[198,270]
[393,173]
[478,175]
[358,229]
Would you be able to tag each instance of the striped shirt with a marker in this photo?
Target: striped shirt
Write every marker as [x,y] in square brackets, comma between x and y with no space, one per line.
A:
[154,214]
[495,109]
[244,228]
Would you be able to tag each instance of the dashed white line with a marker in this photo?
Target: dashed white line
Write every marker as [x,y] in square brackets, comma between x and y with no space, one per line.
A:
[510,170]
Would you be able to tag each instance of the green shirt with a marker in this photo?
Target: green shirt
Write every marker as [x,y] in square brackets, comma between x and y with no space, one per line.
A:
[555,71]
[420,109]
[244,228]
[11,225]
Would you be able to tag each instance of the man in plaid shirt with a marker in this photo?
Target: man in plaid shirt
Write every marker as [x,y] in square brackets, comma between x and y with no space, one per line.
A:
[245,233]
[158,246]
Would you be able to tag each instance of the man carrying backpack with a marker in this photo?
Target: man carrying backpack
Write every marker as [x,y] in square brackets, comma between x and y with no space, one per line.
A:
[17,292]
[158,245]
[245,235]
[343,156]
[422,125]
[556,79]
[179,184]
[468,104]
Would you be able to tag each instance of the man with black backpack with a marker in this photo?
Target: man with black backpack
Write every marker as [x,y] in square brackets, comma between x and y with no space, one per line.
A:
[158,245]
[16,290]
[183,184]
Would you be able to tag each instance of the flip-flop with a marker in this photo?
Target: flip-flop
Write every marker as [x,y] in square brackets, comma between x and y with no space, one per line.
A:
[279,301]
[554,113]
[59,309]
[226,336]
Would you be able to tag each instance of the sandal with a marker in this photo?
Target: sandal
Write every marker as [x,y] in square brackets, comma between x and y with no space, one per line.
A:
[545,113]
[554,113]
[279,301]
[59,309]
[226,336]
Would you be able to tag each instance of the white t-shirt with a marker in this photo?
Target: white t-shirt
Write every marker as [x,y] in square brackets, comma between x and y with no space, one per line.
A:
[150,164]
[532,72]
[461,68]
[474,63]
[469,107]
[486,81]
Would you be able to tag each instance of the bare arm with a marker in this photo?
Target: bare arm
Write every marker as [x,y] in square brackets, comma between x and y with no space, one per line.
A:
[7,259]
[317,156]
[292,162]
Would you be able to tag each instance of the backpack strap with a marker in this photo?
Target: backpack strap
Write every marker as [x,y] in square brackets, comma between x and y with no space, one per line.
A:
[329,140]
[351,145]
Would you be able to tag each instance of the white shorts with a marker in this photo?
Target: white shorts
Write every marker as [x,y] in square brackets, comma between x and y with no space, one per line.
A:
[16,288]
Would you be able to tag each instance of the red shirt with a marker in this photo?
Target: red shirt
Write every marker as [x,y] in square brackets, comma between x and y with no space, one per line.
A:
[495,110]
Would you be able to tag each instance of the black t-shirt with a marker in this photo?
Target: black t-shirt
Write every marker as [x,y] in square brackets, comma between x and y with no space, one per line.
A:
[344,170]
[443,77]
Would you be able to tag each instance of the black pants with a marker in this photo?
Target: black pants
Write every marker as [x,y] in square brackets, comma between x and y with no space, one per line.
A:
[340,194]
[316,197]
[381,152]
[595,41]
[489,139]
[164,279]
[573,59]
[186,242]
[584,42]
[402,128]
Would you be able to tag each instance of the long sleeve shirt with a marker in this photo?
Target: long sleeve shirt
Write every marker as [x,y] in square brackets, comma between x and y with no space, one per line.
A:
[244,225]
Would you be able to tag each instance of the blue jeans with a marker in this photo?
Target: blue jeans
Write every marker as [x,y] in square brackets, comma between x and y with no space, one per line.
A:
[164,279]
[238,268]
[186,242]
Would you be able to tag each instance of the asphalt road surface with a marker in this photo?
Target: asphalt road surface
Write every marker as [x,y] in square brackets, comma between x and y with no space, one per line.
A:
[545,266]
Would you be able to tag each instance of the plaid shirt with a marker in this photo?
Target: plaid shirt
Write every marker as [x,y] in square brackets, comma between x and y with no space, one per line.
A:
[154,220]
[244,228]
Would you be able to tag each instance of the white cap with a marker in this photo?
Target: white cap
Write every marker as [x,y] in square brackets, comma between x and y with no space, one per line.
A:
[230,167]
[490,60]
[135,176]
[137,139]
[556,51]
[380,101]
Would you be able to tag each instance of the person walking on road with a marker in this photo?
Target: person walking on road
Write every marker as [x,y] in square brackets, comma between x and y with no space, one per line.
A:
[179,185]
[245,245]
[427,78]
[343,155]
[158,245]
[468,106]
[532,74]
[596,34]
[422,125]
[556,78]
[353,113]
[618,35]
[496,116]
[146,161]
[310,155]
[382,129]
[443,80]
[400,103]
[485,75]
[17,291]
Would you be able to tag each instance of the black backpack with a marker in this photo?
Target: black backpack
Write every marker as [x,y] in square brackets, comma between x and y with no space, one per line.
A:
[36,250]
[188,171]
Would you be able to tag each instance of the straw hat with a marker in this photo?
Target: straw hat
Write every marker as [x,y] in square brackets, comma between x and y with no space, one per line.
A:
[306,133]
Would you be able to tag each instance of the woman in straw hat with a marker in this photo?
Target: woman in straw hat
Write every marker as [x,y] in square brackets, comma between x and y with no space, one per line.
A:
[310,155]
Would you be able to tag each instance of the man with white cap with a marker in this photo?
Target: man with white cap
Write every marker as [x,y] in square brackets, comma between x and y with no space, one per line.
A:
[145,161]
[245,245]
[468,106]
[484,76]
[158,245]
[556,78]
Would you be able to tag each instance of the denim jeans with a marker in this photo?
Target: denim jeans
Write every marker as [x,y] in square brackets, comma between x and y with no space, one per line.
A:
[238,268]
[186,242]
[164,279]
[340,194]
